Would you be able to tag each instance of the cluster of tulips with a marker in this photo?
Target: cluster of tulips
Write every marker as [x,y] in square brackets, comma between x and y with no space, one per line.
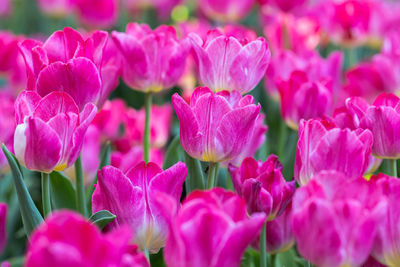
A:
[213,167]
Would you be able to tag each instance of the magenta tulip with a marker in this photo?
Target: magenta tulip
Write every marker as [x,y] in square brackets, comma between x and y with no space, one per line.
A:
[224,63]
[230,10]
[215,127]
[7,126]
[97,13]
[302,99]
[323,146]
[131,197]
[335,219]
[263,186]
[383,119]
[68,239]
[127,157]
[50,130]
[142,68]
[68,62]
[387,244]
[211,228]
[3,226]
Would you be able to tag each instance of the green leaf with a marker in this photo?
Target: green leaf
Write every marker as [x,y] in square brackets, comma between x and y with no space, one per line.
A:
[102,218]
[195,179]
[30,214]
[62,192]
[174,153]
[287,259]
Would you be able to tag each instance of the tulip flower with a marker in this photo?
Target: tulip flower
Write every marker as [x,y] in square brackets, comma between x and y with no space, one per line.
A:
[5,8]
[215,127]
[131,197]
[226,64]
[263,186]
[323,146]
[211,228]
[56,8]
[226,11]
[97,13]
[110,119]
[383,119]
[284,5]
[301,99]
[3,229]
[50,130]
[68,239]
[68,62]
[335,219]
[386,248]
[7,125]
[124,160]
[142,68]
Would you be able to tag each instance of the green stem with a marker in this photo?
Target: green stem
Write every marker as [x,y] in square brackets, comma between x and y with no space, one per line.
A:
[146,141]
[46,194]
[393,167]
[263,246]
[283,133]
[212,174]
[80,188]
[146,253]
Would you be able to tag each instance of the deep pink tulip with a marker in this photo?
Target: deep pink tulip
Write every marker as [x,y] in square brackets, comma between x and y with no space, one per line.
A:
[3,226]
[257,140]
[56,8]
[68,239]
[142,68]
[131,197]
[226,11]
[224,63]
[279,233]
[284,5]
[50,130]
[97,13]
[6,8]
[383,119]
[284,62]
[215,127]
[7,125]
[211,228]
[68,62]
[263,186]
[335,219]
[304,99]
[323,146]
[386,248]
[110,119]
[124,159]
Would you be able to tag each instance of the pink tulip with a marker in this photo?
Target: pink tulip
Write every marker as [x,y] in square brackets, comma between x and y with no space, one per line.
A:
[284,5]
[323,146]
[386,248]
[7,125]
[382,118]
[335,219]
[124,160]
[263,186]
[131,197]
[5,8]
[68,239]
[3,225]
[56,8]
[110,119]
[97,13]
[303,99]
[68,62]
[142,68]
[257,140]
[211,228]
[226,64]
[226,11]
[215,127]
[50,130]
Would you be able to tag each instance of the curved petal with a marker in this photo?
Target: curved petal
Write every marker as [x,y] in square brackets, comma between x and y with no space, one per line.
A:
[25,105]
[53,104]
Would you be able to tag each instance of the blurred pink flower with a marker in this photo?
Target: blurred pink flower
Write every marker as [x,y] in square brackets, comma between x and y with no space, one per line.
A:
[97,13]
[56,8]
[216,127]
[142,68]
[50,130]
[6,8]
[226,10]
[211,228]
[3,226]
[263,186]
[7,125]
[163,8]
[131,197]
[68,62]
[323,146]
[68,239]
[227,63]
[124,160]
[335,219]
